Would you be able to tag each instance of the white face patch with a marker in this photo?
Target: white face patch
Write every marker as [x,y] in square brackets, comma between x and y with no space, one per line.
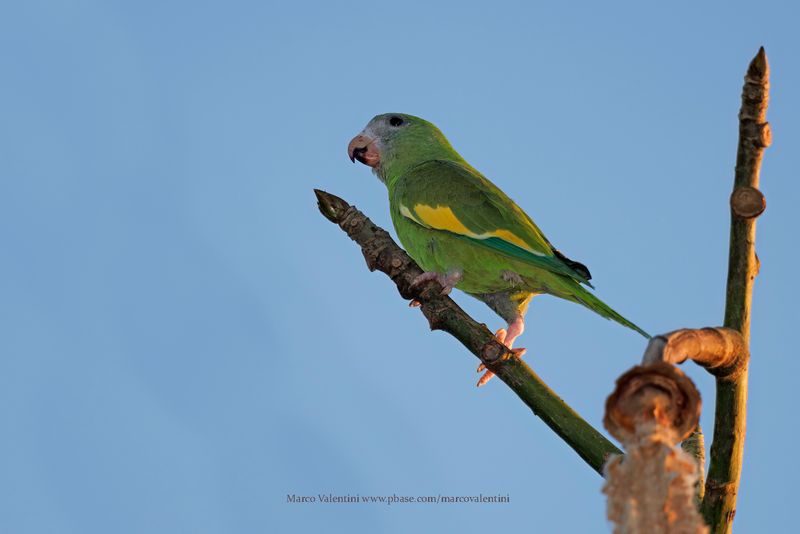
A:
[375,134]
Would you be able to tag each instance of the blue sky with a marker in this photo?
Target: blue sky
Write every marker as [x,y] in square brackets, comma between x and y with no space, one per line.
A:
[185,340]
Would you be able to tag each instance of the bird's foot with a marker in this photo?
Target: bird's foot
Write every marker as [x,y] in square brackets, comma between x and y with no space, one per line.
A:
[516,328]
[447,281]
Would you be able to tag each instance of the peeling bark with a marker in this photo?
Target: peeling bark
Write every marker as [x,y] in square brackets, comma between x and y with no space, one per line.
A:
[652,488]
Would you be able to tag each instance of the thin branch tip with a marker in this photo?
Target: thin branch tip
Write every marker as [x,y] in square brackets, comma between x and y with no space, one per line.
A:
[759,66]
[327,205]
[727,448]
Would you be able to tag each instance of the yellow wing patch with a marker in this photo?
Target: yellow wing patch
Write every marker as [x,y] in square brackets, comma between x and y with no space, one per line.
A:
[443,218]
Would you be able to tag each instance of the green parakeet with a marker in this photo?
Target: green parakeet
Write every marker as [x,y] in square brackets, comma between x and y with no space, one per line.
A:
[463,230]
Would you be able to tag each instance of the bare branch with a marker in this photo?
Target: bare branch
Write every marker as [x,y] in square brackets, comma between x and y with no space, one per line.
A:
[383,254]
[722,483]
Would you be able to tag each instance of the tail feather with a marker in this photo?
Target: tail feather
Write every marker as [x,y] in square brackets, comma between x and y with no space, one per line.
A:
[582,296]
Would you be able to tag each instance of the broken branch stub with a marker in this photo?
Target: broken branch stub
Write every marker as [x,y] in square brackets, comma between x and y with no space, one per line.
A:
[652,488]
[721,351]
[747,202]
[659,392]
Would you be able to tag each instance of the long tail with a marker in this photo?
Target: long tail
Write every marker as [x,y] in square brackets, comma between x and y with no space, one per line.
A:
[582,296]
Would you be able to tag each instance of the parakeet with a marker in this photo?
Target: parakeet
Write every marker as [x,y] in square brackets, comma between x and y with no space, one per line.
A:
[463,230]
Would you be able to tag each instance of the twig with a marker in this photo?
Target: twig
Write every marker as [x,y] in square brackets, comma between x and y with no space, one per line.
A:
[383,254]
[695,445]
[720,350]
[722,483]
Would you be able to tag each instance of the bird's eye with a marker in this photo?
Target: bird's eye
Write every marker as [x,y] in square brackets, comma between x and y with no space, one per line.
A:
[395,120]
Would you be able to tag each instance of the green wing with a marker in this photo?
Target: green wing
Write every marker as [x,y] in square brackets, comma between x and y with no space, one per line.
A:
[452,197]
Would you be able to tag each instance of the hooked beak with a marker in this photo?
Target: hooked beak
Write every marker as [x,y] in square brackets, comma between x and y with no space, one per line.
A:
[363,149]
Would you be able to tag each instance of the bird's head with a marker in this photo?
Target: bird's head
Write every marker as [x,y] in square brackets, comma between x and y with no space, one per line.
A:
[392,143]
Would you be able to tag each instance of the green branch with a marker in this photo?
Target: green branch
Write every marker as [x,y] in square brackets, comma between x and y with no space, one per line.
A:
[383,254]
[722,482]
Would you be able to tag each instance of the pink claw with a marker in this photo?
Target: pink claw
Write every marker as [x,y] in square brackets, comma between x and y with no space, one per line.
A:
[485,378]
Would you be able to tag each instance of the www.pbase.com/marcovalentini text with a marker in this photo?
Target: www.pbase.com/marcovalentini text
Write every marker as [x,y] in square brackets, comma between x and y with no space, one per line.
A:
[330,498]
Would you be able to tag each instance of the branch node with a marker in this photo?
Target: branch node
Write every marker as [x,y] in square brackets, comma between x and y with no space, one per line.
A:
[492,352]
[765,139]
[435,318]
[373,256]
[747,202]
[728,488]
